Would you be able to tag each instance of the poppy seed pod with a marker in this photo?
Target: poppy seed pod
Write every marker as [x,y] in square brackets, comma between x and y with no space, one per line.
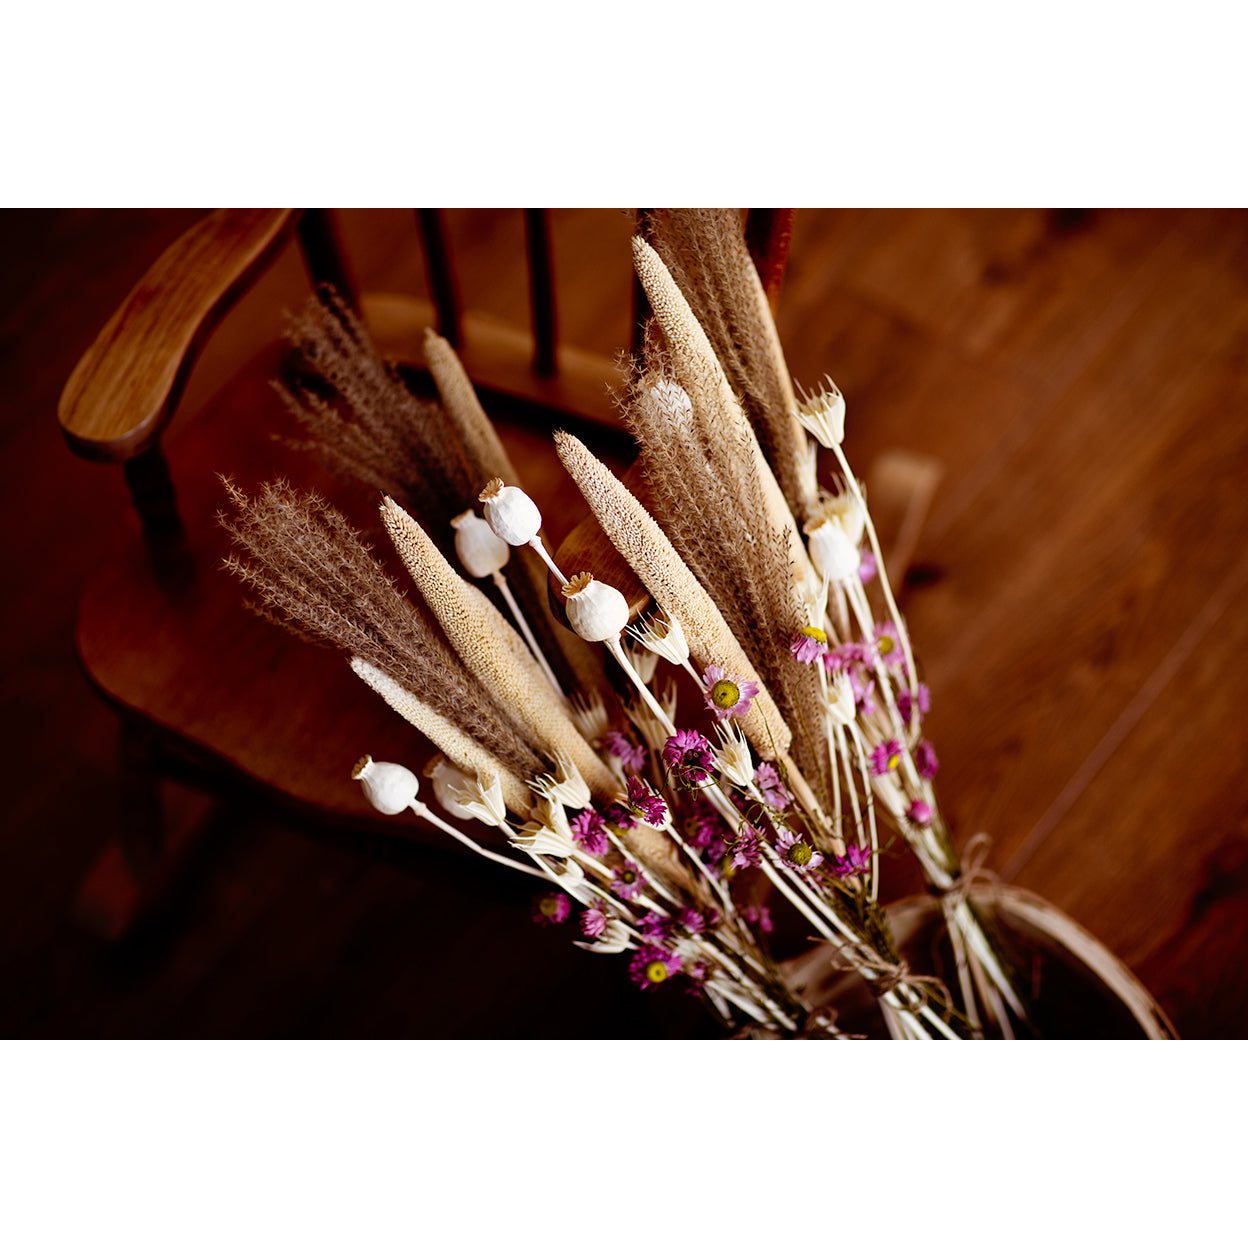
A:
[390,787]
[597,612]
[510,512]
[480,549]
[831,551]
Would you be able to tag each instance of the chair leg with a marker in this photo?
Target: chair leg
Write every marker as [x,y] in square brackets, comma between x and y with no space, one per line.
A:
[134,871]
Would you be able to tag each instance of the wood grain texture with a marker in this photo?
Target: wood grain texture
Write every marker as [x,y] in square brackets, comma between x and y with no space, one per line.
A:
[1076,603]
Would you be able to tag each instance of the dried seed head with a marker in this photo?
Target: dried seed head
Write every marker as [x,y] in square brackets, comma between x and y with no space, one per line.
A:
[510,512]
[597,612]
[390,787]
[824,415]
[480,549]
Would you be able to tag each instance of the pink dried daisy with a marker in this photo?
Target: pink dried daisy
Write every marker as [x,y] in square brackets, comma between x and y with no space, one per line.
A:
[855,861]
[628,882]
[552,908]
[920,812]
[888,644]
[867,567]
[758,916]
[652,965]
[925,759]
[747,851]
[689,758]
[594,921]
[725,696]
[922,699]
[808,644]
[842,658]
[589,831]
[796,854]
[771,787]
[885,757]
[705,824]
[643,798]
[633,757]
[654,927]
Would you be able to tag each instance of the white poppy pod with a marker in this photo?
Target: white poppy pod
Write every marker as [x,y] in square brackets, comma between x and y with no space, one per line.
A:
[840,703]
[596,612]
[480,549]
[831,551]
[390,787]
[446,778]
[510,512]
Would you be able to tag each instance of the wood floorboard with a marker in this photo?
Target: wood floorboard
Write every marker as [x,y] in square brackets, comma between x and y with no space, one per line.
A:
[1077,607]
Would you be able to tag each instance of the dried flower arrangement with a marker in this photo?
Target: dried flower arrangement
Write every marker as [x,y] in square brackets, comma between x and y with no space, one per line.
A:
[658,836]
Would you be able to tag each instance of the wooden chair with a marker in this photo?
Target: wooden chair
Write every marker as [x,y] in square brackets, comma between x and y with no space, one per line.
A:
[206,693]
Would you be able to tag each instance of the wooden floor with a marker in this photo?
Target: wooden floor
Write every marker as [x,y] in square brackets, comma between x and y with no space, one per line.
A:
[1077,603]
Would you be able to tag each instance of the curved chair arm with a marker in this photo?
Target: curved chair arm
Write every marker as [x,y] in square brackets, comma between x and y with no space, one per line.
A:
[127,385]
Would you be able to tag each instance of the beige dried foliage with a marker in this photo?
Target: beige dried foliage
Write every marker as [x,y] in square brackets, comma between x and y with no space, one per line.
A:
[491,649]
[656,852]
[635,534]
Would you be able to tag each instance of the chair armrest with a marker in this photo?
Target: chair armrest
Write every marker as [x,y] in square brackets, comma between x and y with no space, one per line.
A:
[127,385]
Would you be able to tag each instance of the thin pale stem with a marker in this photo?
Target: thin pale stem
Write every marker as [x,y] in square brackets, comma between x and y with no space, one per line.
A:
[523,625]
[425,813]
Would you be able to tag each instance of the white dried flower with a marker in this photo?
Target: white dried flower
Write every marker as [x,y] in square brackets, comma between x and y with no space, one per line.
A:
[389,786]
[571,876]
[847,510]
[510,512]
[480,549]
[483,800]
[596,612]
[589,714]
[831,551]
[733,758]
[446,778]
[644,663]
[614,939]
[663,635]
[840,701]
[547,833]
[824,415]
[565,786]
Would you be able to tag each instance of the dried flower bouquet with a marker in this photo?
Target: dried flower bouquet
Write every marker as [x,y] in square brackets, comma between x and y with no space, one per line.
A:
[657,812]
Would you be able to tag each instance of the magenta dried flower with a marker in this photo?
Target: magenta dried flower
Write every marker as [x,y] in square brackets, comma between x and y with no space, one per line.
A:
[796,854]
[886,756]
[644,799]
[888,644]
[771,787]
[925,759]
[855,861]
[906,703]
[654,927]
[808,644]
[920,812]
[725,696]
[594,921]
[867,567]
[628,882]
[705,824]
[633,757]
[689,758]
[747,851]
[551,908]
[652,964]
[758,916]
[589,831]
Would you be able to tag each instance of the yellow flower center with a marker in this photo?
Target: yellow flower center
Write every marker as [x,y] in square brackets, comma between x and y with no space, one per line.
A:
[893,760]
[628,877]
[817,633]
[725,694]
[885,644]
[800,854]
[549,906]
[656,971]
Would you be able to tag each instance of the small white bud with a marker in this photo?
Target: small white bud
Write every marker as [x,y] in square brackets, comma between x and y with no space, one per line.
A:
[734,758]
[831,551]
[663,635]
[390,787]
[510,512]
[566,786]
[614,939]
[483,800]
[596,612]
[480,549]
[840,703]
[446,778]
